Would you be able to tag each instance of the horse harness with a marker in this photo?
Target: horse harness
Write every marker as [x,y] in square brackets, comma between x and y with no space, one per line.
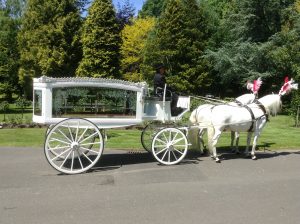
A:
[259,104]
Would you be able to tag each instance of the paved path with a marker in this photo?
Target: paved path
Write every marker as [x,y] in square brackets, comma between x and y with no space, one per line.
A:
[133,188]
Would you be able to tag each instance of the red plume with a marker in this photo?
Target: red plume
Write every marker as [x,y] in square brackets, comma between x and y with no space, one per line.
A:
[286,79]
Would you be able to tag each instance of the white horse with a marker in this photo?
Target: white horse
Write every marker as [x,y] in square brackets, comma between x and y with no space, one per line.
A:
[251,118]
[202,113]
[201,116]
[227,117]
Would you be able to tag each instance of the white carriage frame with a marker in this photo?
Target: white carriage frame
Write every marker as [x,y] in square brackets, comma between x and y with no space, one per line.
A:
[147,107]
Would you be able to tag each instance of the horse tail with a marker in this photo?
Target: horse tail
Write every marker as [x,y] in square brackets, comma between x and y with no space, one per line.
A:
[193,117]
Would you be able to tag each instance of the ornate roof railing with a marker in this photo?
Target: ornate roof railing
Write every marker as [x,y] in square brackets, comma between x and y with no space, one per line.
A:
[69,81]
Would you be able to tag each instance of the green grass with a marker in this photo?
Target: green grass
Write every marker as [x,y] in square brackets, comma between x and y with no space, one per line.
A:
[14,114]
[19,137]
[279,133]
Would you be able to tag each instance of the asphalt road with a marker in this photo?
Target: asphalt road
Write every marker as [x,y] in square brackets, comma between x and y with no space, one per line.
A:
[132,188]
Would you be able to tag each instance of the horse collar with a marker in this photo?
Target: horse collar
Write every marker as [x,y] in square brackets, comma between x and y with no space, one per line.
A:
[238,103]
[262,107]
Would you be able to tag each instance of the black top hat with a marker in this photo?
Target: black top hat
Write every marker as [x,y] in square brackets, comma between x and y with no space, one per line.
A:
[159,66]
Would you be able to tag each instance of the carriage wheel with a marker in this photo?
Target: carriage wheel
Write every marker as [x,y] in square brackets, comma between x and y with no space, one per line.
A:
[169,146]
[150,131]
[73,146]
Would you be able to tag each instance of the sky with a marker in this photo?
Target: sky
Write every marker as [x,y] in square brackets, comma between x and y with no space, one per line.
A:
[136,3]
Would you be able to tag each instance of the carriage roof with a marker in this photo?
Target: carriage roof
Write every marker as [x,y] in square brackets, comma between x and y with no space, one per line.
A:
[87,81]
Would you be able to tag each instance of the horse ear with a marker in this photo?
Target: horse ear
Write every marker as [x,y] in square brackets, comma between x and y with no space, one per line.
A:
[249,85]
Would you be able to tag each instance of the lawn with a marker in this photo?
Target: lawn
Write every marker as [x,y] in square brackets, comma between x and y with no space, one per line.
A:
[279,133]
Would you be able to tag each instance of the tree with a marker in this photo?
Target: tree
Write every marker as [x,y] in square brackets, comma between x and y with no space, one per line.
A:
[125,13]
[49,40]
[257,20]
[152,8]
[134,39]
[179,41]
[101,42]
[9,56]
[247,49]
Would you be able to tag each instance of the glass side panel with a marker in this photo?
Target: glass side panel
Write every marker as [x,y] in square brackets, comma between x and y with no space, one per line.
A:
[93,102]
[37,106]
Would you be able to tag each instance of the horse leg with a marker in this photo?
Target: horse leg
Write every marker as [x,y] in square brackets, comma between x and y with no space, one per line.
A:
[259,126]
[237,139]
[253,156]
[249,135]
[210,134]
[213,136]
[232,135]
[201,133]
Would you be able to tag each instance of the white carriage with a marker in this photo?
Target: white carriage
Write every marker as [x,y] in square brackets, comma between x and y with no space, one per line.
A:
[78,110]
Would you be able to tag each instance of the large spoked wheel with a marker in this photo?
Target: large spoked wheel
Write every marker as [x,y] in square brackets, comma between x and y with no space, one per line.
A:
[150,131]
[169,146]
[73,146]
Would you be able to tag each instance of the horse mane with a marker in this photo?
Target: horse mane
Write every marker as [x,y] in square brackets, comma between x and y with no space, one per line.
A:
[272,103]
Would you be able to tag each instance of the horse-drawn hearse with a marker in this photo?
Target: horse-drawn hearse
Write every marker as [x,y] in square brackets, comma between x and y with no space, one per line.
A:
[79,110]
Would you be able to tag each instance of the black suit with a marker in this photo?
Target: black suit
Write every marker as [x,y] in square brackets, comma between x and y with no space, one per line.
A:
[160,81]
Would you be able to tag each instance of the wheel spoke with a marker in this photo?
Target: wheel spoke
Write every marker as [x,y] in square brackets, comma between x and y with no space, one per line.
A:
[164,155]
[64,135]
[159,146]
[61,154]
[95,133]
[174,137]
[86,156]
[56,148]
[161,141]
[90,150]
[56,139]
[179,145]
[174,155]
[91,143]
[70,132]
[165,137]
[176,141]
[73,153]
[65,159]
[178,151]
[77,130]
[161,150]
[79,158]
[82,134]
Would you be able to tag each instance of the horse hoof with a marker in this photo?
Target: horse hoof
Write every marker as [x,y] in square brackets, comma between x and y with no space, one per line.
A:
[254,158]
[217,160]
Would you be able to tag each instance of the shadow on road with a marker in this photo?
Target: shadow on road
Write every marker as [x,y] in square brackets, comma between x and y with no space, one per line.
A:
[262,152]
[117,160]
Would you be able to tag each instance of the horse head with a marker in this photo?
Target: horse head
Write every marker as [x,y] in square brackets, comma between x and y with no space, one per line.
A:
[288,86]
